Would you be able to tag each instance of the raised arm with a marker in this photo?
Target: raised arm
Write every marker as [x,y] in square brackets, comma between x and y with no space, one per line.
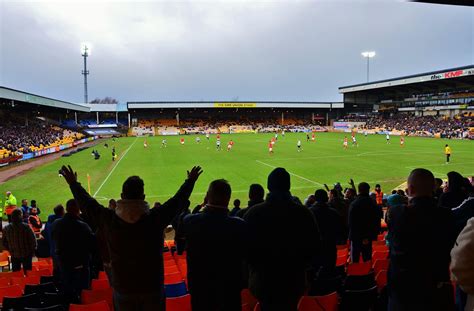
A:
[180,200]
[88,205]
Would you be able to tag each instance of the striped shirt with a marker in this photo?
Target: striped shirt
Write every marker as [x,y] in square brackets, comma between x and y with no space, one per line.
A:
[19,240]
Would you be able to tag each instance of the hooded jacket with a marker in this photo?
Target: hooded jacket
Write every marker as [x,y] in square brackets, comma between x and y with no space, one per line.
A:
[134,236]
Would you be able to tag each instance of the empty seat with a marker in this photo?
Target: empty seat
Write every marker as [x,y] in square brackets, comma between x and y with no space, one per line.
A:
[342,252]
[379,255]
[319,303]
[41,272]
[10,291]
[248,298]
[19,303]
[381,264]
[175,290]
[98,306]
[359,268]
[359,282]
[182,303]
[341,260]
[100,284]
[93,296]
[27,280]
[381,279]
[40,289]
[173,278]
[359,300]
[52,308]
[4,282]
[5,260]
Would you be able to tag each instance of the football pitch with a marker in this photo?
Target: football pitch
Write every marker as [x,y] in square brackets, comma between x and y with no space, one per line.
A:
[164,169]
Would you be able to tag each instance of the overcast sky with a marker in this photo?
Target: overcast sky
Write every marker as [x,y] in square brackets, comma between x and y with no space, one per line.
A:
[224,50]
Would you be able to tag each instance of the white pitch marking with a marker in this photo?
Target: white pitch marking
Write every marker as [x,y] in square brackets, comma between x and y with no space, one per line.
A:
[113,169]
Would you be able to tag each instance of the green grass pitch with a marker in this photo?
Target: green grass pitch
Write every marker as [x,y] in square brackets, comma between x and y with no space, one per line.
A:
[164,169]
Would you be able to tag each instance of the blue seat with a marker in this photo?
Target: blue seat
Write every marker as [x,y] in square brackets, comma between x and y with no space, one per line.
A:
[175,290]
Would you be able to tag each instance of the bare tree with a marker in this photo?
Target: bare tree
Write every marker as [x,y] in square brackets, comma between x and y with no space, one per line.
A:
[106,100]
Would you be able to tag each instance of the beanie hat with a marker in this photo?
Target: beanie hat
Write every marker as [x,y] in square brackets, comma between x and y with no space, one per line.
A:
[395,200]
[278,180]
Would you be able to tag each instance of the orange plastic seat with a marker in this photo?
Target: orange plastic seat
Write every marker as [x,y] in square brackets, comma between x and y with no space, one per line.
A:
[379,248]
[10,291]
[100,284]
[342,252]
[93,296]
[182,303]
[4,282]
[319,303]
[248,298]
[381,264]
[98,306]
[171,269]
[103,275]
[381,279]
[379,255]
[41,272]
[173,278]
[27,280]
[5,260]
[378,243]
[360,268]
[12,274]
[169,262]
[340,261]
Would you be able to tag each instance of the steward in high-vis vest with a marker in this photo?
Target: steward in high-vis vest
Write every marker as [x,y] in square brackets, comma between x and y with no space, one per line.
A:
[34,221]
[10,205]
[378,195]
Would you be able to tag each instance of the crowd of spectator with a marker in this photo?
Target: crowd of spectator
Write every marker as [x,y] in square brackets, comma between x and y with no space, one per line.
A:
[277,246]
[20,139]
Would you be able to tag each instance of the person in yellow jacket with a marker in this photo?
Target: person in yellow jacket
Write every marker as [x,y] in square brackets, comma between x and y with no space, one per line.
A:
[447,152]
[10,205]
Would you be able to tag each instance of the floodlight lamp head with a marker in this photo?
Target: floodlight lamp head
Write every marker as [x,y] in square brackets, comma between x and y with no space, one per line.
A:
[368,54]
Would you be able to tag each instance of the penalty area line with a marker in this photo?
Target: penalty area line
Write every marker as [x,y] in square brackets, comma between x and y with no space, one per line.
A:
[113,169]
[293,174]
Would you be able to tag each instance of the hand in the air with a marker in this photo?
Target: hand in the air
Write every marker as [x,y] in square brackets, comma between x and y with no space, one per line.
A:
[193,175]
[69,175]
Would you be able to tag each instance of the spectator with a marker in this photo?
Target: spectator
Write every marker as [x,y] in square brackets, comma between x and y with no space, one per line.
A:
[34,205]
[461,216]
[418,276]
[364,224]
[34,221]
[332,232]
[10,205]
[277,275]
[112,204]
[462,263]
[236,208]
[256,194]
[25,209]
[456,192]
[216,247]
[58,213]
[20,241]
[134,234]
[395,206]
[309,201]
[438,188]
[74,242]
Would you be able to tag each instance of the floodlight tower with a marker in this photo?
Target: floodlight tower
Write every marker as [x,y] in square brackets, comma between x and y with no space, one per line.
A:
[85,50]
[368,55]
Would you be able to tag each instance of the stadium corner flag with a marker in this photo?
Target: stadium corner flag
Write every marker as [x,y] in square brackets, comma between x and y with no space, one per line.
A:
[89,183]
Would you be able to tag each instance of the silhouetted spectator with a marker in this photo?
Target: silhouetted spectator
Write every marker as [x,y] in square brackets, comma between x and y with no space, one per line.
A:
[364,224]
[438,188]
[216,246]
[134,234]
[395,206]
[20,241]
[462,264]
[418,274]
[236,208]
[58,213]
[277,275]
[35,205]
[25,209]
[457,191]
[331,231]
[74,242]
[256,195]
